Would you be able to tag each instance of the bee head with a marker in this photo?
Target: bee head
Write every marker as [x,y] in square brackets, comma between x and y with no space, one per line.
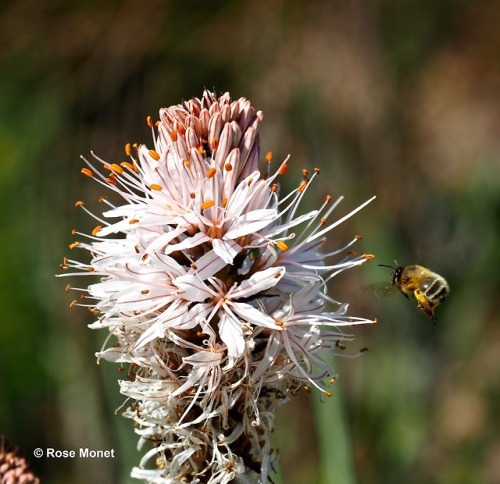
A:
[396,275]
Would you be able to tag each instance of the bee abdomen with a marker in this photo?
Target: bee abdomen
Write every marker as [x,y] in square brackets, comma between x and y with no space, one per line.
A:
[437,290]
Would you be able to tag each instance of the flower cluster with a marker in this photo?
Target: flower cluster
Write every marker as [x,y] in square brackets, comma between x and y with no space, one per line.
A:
[213,289]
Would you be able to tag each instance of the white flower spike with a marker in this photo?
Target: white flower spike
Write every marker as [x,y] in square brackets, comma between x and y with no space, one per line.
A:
[213,289]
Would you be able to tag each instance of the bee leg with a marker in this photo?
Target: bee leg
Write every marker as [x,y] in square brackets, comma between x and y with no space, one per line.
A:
[424,305]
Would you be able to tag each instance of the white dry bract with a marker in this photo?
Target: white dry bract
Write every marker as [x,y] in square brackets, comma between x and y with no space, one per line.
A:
[213,290]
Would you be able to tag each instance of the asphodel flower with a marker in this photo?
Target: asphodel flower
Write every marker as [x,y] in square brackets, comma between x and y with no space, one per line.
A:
[213,290]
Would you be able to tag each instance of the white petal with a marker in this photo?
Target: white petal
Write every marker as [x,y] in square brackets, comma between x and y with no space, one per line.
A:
[253,315]
[188,243]
[226,250]
[194,289]
[203,358]
[292,223]
[251,222]
[231,333]
[208,265]
[154,331]
[259,282]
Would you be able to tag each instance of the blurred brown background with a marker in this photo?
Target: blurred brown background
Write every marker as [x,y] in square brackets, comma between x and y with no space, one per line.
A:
[400,99]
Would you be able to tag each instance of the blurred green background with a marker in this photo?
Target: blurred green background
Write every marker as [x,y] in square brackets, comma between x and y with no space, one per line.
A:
[399,99]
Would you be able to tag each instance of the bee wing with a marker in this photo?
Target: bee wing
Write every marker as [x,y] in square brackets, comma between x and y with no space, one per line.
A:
[381,289]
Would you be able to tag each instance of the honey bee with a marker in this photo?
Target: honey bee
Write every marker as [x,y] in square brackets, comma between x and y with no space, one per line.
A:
[427,287]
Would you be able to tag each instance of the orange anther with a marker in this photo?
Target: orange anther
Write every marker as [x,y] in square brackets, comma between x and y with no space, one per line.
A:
[302,186]
[117,168]
[173,135]
[368,256]
[74,245]
[357,236]
[96,230]
[73,231]
[128,165]
[210,173]
[87,172]
[187,163]
[149,121]
[328,394]
[282,246]
[128,149]
[269,156]
[328,198]
[224,202]
[133,221]
[67,288]
[155,186]
[145,291]
[283,169]
[154,155]
[214,144]
[279,323]
[228,167]
[207,204]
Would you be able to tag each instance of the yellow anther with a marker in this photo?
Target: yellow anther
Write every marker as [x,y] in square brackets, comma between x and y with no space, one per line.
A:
[74,245]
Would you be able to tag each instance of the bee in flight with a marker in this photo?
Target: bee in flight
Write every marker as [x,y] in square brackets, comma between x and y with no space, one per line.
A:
[427,287]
